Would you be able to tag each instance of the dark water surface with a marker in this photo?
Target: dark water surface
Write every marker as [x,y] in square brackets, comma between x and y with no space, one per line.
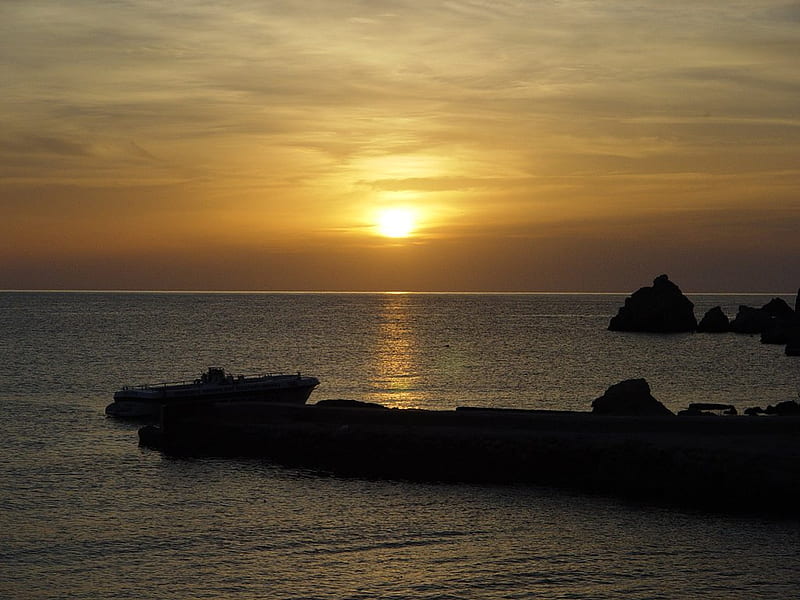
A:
[85,513]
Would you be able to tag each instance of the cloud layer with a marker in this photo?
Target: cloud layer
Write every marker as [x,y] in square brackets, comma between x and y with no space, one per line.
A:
[162,133]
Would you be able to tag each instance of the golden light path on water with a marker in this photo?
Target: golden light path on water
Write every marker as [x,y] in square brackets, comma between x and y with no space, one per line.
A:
[396,361]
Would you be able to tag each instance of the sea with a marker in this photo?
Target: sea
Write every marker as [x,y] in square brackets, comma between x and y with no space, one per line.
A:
[86,513]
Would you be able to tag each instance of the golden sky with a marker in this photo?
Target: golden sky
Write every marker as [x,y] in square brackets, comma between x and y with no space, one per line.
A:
[540,146]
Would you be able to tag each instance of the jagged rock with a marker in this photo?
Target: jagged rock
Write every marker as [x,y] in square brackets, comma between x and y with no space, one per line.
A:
[793,345]
[778,309]
[771,319]
[750,320]
[779,331]
[783,409]
[714,321]
[629,398]
[661,308]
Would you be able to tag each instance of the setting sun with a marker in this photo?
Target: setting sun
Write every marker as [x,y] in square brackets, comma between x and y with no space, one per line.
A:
[395,222]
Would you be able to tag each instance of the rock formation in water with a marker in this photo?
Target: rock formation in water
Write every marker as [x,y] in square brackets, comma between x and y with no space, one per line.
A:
[661,308]
[793,341]
[750,320]
[714,321]
[629,398]
[793,344]
[777,308]
[775,321]
[777,332]
[787,408]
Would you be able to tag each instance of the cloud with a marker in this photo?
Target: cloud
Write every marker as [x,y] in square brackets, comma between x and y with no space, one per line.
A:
[494,113]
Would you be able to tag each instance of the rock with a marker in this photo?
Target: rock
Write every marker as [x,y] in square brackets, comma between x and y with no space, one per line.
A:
[661,308]
[778,309]
[714,321]
[771,319]
[629,398]
[784,409]
[778,331]
[793,345]
[750,320]
[788,408]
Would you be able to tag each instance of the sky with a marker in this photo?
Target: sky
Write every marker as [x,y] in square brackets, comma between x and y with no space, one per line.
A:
[525,146]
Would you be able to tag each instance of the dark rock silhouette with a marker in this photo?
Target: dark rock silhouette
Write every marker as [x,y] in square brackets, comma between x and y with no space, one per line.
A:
[661,308]
[784,409]
[778,331]
[782,324]
[772,321]
[714,321]
[787,408]
[750,320]
[629,398]
[793,343]
[778,309]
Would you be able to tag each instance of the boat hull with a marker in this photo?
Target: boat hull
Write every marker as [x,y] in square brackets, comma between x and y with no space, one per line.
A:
[147,402]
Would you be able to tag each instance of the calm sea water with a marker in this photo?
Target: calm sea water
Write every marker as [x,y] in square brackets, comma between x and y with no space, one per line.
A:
[86,513]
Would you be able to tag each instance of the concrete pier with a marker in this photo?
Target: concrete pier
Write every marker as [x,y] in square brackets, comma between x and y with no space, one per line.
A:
[725,463]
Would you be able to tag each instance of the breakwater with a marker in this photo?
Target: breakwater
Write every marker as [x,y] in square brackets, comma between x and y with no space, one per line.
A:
[725,463]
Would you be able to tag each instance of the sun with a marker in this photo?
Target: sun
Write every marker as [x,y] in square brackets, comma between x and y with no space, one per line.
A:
[395,222]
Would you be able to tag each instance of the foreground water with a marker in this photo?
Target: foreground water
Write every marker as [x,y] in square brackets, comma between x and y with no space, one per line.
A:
[85,513]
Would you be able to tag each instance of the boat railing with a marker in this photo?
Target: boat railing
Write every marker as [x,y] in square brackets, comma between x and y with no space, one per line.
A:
[230,379]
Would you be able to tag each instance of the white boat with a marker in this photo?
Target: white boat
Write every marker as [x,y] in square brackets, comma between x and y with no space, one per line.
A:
[215,385]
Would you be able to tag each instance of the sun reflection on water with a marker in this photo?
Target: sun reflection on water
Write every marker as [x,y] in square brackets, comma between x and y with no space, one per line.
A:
[397,354]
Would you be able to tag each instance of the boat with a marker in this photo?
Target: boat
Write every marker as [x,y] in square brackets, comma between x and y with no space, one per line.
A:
[213,386]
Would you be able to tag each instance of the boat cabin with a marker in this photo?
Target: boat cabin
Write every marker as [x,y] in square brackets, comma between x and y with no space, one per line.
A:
[215,375]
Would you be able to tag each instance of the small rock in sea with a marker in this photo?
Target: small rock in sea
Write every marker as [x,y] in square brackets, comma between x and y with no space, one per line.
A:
[714,321]
[779,309]
[750,320]
[629,398]
[793,338]
[661,308]
[793,345]
[779,332]
[771,318]
[784,409]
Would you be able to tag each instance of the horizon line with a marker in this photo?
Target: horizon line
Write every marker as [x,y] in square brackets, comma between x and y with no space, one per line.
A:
[351,292]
